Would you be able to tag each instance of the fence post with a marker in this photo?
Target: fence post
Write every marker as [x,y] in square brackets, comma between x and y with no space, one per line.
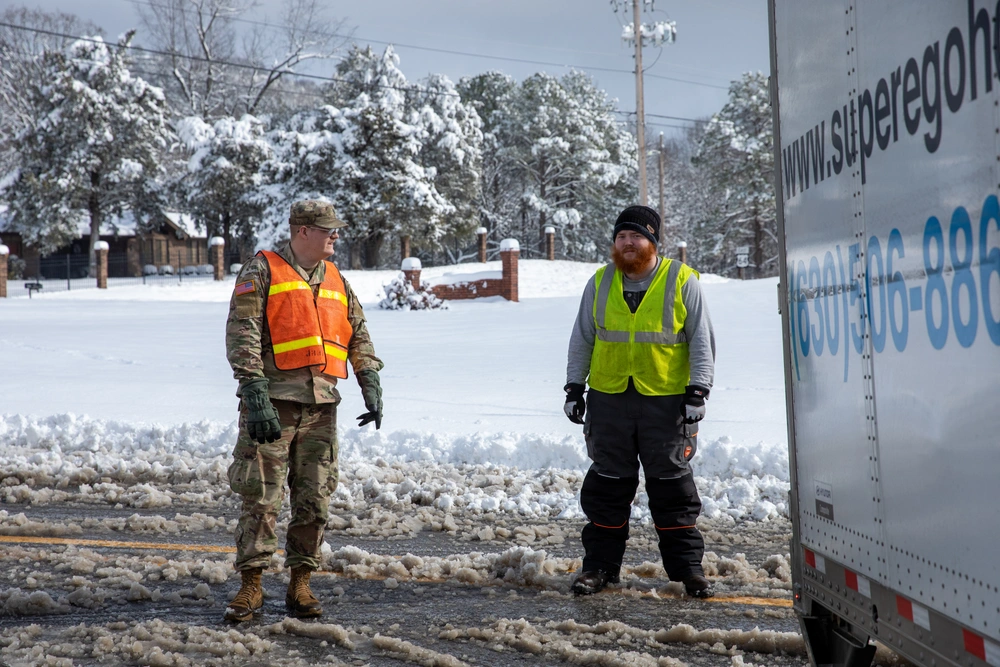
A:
[411,271]
[69,264]
[481,233]
[101,250]
[682,251]
[550,243]
[4,254]
[217,256]
[133,263]
[510,250]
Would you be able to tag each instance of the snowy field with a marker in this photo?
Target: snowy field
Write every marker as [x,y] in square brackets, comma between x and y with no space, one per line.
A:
[117,414]
[139,374]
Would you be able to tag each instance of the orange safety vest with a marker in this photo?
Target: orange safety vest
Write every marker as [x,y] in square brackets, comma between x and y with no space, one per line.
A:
[307,330]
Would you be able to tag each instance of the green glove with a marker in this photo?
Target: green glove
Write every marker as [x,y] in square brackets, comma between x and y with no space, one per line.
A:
[262,419]
[371,391]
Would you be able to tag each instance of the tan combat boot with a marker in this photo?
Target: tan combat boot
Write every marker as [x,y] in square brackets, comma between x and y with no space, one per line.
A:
[299,600]
[248,599]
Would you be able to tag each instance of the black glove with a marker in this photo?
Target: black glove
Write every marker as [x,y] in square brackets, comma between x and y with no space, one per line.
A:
[262,419]
[575,406]
[693,407]
[371,391]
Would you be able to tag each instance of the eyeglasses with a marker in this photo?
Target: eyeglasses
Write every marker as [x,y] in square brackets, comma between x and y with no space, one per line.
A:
[330,232]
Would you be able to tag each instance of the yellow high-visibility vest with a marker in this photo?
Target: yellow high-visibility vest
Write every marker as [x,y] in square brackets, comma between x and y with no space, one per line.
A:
[650,345]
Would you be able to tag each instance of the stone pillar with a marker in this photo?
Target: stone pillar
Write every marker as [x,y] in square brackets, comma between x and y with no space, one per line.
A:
[550,243]
[404,246]
[411,271]
[217,257]
[101,252]
[4,254]
[682,251]
[510,250]
[481,233]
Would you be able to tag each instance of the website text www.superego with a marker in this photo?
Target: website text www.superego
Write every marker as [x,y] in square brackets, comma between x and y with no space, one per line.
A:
[911,99]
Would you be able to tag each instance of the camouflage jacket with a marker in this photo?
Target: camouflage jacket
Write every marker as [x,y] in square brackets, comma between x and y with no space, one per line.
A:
[248,342]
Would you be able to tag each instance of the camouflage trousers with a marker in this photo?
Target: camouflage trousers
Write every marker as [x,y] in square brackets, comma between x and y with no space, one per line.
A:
[306,454]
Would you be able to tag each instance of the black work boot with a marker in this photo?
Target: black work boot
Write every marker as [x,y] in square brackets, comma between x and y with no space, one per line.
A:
[592,581]
[697,586]
[299,599]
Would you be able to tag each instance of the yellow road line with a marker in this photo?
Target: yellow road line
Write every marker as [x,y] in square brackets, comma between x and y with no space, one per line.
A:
[723,599]
[760,602]
[116,544]
[212,548]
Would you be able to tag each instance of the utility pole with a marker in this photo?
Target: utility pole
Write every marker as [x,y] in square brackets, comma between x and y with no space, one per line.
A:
[640,114]
[663,164]
[657,33]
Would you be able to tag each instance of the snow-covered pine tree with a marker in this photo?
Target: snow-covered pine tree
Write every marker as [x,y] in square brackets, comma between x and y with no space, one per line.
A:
[377,184]
[563,158]
[690,203]
[92,149]
[604,154]
[304,164]
[736,151]
[492,95]
[451,142]
[222,185]
[21,52]
[544,154]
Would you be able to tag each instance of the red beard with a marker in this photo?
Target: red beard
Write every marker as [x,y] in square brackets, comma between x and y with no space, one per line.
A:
[638,262]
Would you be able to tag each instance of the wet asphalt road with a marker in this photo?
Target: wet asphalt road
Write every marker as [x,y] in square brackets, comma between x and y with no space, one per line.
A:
[433,622]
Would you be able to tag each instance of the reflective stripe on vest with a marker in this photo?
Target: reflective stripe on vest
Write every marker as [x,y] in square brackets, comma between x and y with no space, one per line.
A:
[307,330]
[649,346]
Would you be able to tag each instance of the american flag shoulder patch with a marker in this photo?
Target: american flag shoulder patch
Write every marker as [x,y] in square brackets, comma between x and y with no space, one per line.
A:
[245,288]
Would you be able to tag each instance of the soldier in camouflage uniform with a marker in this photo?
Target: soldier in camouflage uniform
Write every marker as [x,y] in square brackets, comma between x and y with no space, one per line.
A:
[288,418]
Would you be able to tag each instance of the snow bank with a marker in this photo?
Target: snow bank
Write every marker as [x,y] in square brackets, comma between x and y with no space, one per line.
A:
[46,459]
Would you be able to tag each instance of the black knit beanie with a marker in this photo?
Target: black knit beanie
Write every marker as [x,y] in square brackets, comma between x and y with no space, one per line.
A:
[642,219]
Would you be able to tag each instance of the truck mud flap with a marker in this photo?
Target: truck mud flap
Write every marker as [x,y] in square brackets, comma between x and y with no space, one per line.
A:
[829,646]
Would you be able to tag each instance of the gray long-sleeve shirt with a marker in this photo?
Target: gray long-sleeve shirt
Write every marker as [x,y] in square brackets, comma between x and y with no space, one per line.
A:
[697,326]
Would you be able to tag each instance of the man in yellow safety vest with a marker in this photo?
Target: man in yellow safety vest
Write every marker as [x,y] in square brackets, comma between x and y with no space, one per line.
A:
[643,341]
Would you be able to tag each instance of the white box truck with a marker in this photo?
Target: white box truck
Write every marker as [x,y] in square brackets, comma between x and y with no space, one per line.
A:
[887,145]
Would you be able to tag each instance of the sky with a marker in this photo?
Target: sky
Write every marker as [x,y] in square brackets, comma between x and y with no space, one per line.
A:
[717,40]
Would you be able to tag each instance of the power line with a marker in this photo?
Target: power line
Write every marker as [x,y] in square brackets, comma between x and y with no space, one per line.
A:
[678,127]
[256,68]
[658,115]
[659,124]
[287,73]
[275,89]
[462,53]
[548,64]
[696,83]
[267,24]
[690,120]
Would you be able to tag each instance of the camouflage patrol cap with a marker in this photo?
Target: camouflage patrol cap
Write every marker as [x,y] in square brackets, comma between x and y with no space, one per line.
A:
[315,213]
